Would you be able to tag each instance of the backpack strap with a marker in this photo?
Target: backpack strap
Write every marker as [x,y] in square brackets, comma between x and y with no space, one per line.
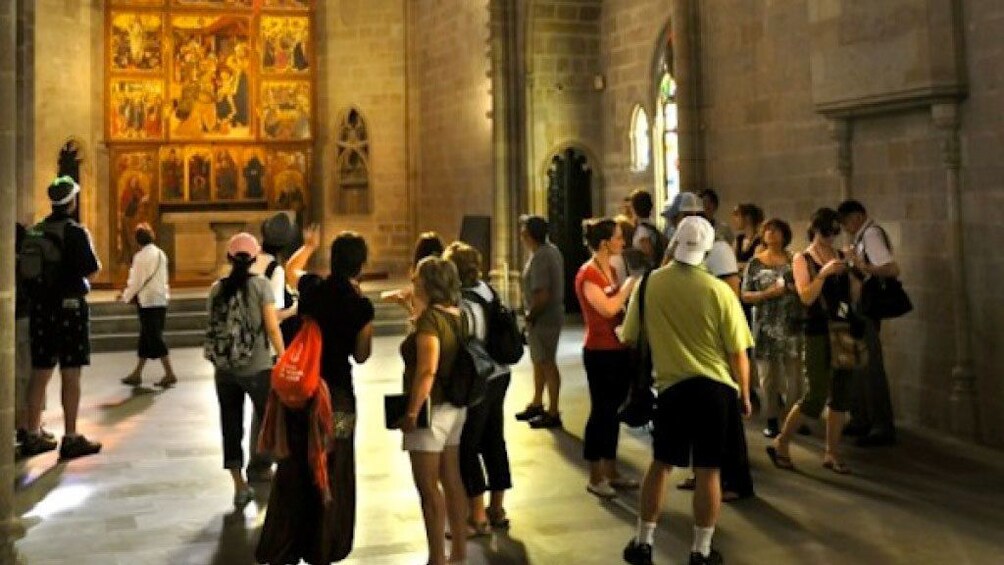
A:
[270,269]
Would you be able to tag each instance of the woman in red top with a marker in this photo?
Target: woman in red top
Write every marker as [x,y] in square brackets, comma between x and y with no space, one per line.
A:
[602,297]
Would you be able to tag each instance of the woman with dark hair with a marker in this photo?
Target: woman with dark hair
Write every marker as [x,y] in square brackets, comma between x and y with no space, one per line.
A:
[299,524]
[769,287]
[482,442]
[824,287]
[747,220]
[147,287]
[602,296]
[429,244]
[429,352]
[241,300]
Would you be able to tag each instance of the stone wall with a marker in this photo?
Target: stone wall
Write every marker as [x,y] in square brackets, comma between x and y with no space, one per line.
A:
[766,142]
[983,200]
[450,113]
[69,91]
[563,102]
[361,59]
[630,34]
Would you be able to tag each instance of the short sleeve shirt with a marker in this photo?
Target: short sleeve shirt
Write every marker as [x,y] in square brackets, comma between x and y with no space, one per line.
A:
[259,294]
[600,331]
[79,258]
[341,313]
[443,326]
[546,270]
[721,260]
[693,321]
[870,242]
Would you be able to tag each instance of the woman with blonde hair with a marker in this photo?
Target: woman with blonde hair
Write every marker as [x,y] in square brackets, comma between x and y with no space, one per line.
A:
[429,352]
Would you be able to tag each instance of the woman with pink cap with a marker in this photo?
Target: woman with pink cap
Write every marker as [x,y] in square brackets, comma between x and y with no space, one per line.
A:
[242,323]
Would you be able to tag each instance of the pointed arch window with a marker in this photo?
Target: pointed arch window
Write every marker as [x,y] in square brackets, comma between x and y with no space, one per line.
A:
[641,142]
[353,164]
[667,139]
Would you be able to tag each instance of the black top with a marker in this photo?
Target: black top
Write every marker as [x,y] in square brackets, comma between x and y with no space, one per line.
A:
[79,260]
[746,256]
[341,312]
[20,294]
[836,291]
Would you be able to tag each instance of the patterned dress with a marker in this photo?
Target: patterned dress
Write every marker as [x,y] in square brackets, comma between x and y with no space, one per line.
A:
[776,322]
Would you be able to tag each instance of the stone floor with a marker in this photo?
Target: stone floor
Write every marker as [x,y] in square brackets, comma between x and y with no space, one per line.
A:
[156,494]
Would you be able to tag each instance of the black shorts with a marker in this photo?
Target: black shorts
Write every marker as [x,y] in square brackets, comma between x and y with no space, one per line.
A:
[60,334]
[696,424]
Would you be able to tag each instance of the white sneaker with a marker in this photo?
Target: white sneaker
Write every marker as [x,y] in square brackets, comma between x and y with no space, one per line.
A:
[602,489]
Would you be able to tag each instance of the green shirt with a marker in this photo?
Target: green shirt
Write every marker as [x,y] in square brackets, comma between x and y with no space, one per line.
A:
[442,326]
[693,321]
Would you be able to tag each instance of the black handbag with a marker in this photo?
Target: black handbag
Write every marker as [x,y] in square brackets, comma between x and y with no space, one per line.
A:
[884,298]
[639,408]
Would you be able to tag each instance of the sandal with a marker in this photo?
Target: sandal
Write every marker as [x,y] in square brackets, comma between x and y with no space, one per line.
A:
[474,530]
[497,518]
[836,466]
[166,382]
[780,461]
[132,380]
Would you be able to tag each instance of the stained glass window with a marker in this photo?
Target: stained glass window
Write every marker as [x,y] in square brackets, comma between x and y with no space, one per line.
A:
[667,139]
[641,143]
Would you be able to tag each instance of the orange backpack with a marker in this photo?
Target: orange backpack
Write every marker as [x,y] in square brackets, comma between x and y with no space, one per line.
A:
[297,373]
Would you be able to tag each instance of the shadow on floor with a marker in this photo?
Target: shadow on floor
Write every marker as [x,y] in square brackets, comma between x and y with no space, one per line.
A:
[117,411]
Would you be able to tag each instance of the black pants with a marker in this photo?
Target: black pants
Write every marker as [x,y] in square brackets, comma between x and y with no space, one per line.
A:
[871,403]
[483,440]
[230,391]
[151,332]
[608,373]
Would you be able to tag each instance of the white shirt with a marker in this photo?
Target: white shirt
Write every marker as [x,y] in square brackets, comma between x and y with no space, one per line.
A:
[870,243]
[149,263]
[721,260]
[277,281]
[479,317]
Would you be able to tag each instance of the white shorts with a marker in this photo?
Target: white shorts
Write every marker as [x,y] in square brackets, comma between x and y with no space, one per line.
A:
[444,431]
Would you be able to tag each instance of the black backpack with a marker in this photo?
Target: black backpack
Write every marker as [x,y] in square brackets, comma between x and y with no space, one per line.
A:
[290,326]
[465,383]
[230,337]
[504,341]
[40,257]
[659,242]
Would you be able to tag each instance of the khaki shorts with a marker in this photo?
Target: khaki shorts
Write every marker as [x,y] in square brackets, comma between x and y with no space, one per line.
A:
[444,431]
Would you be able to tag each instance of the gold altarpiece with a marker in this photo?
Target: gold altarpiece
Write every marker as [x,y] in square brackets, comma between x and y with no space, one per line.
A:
[209,121]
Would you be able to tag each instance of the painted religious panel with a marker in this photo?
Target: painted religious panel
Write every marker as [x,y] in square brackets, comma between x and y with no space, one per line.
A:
[228,4]
[253,181]
[210,90]
[198,174]
[172,175]
[226,174]
[138,3]
[287,169]
[135,110]
[286,110]
[284,44]
[133,175]
[288,4]
[136,40]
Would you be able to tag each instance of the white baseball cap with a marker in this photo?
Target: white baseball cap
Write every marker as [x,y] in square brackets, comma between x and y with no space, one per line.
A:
[693,239]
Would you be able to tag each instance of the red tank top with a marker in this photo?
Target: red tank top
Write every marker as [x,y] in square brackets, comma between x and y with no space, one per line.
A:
[599,330]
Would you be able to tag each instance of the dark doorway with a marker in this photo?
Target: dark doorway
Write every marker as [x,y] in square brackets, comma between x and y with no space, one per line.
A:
[569,201]
[68,165]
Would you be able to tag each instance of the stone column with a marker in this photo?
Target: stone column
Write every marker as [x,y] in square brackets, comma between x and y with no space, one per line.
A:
[25,77]
[841,132]
[9,526]
[684,21]
[965,421]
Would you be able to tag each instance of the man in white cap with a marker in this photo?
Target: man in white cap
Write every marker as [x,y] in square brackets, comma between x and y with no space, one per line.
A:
[702,375]
[60,325]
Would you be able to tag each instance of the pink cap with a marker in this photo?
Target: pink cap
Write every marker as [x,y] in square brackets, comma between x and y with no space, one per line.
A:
[243,243]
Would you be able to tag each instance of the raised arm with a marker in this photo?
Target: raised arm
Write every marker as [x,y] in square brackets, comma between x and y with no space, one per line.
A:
[297,264]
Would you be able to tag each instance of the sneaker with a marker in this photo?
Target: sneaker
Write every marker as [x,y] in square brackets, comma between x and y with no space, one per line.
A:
[546,420]
[626,483]
[22,433]
[638,553]
[531,412]
[713,558]
[602,489]
[35,444]
[243,497]
[78,446]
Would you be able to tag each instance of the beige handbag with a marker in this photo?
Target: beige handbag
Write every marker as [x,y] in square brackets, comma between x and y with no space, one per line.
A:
[846,351]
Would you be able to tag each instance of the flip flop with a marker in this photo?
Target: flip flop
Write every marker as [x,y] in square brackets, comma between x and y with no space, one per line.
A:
[837,467]
[166,382]
[780,461]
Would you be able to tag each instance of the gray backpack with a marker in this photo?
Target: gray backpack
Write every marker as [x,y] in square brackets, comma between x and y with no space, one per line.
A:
[230,337]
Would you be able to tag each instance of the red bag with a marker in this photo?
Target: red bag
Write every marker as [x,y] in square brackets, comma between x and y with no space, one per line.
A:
[297,373]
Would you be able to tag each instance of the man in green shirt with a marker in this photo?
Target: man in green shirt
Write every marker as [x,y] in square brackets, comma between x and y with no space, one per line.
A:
[699,339]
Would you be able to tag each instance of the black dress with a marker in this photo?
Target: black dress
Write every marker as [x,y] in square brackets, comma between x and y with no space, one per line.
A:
[298,525]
